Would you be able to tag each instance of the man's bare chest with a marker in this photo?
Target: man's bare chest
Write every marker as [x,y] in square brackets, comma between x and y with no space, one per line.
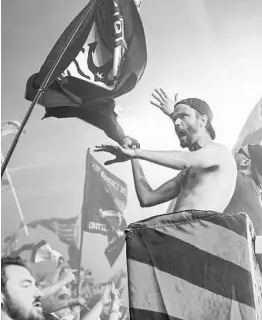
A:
[195,177]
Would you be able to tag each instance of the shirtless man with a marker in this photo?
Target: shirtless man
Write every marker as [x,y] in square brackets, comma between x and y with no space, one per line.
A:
[201,183]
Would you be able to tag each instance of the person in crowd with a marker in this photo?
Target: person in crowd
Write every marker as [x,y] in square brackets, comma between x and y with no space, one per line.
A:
[58,300]
[200,184]
[247,195]
[106,307]
[20,296]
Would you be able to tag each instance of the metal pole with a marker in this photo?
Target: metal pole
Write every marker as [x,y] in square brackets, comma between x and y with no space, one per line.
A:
[16,198]
[42,88]
[82,219]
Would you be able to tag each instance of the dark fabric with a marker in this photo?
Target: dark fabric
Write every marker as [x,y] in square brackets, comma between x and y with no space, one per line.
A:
[233,223]
[90,97]
[74,256]
[165,251]
[246,199]
[190,263]
[139,314]
[255,152]
[104,192]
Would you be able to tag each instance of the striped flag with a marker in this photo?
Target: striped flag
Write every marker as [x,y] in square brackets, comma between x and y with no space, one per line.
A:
[192,265]
[67,229]
[251,132]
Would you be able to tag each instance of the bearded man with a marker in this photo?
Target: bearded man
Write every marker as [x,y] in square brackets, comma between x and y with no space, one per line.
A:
[20,296]
[201,183]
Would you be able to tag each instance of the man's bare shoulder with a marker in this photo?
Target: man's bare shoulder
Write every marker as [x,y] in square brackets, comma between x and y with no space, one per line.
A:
[224,153]
[215,154]
[218,146]
[219,149]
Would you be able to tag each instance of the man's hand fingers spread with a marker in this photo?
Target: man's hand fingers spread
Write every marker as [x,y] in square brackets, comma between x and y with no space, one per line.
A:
[162,96]
[158,98]
[106,148]
[155,104]
[163,92]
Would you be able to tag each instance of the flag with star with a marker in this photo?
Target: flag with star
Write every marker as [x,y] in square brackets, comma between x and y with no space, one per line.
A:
[105,60]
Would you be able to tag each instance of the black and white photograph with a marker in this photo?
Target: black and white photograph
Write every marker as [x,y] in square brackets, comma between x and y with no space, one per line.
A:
[131,160]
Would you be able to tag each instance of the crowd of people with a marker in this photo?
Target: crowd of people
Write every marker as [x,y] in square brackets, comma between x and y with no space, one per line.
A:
[66,294]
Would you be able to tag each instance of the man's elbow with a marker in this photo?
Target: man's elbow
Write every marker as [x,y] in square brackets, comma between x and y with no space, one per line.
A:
[144,202]
[147,202]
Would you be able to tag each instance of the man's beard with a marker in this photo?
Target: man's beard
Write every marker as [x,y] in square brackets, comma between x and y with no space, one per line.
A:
[187,140]
[15,312]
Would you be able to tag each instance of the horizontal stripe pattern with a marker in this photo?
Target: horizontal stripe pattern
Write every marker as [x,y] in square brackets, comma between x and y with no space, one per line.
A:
[221,242]
[162,294]
[185,261]
[233,222]
[65,229]
[193,264]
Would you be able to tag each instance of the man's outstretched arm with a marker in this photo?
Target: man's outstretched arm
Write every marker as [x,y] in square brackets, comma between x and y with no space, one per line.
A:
[148,197]
[211,155]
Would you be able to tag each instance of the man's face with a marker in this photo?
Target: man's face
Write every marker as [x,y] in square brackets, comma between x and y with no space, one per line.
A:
[21,299]
[186,124]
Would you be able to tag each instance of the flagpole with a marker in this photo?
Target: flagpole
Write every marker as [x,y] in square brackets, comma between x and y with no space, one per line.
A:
[16,198]
[42,89]
[82,229]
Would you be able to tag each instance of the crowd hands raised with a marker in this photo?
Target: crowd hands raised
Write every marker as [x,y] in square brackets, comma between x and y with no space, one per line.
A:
[60,295]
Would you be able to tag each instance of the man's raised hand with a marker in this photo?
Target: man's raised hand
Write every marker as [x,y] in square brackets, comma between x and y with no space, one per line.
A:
[69,276]
[121,154]
[163,101]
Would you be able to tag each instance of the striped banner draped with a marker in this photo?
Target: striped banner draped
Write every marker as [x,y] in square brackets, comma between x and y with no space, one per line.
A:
[192,265]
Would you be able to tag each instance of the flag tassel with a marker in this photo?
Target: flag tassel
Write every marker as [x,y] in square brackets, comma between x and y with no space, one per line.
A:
[42,88]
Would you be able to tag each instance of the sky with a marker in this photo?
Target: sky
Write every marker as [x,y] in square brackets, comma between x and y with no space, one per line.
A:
[203,48]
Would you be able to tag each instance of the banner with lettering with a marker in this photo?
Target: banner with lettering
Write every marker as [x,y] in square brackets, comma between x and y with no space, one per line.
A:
[105,199]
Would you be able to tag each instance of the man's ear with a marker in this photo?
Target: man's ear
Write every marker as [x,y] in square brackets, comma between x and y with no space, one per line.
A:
[248,162]
[204,120]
